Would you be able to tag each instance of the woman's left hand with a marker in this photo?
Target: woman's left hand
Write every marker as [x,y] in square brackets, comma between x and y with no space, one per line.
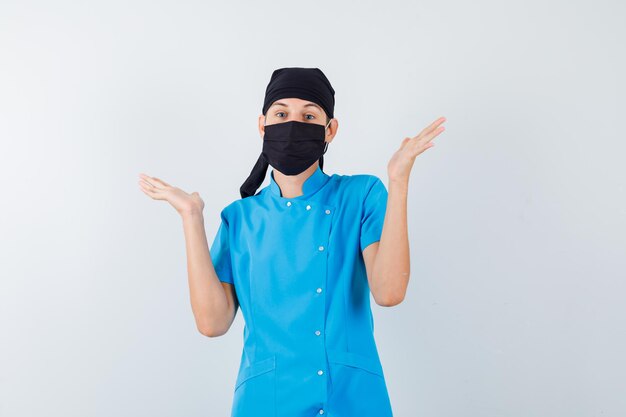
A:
[401,162]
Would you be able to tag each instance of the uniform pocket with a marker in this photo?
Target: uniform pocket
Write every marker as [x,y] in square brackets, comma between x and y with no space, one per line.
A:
[358,386]
[355,360]
[255,390]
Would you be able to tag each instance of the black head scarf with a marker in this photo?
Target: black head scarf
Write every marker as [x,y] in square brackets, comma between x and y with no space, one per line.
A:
[305,83]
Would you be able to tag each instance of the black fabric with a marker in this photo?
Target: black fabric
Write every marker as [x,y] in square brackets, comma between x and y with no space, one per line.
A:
[292,147]
[255,179]
[257,176]
[305,83]
[294,82]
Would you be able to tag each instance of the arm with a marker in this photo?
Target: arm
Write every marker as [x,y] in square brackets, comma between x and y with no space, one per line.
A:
[387,261]
[214,303]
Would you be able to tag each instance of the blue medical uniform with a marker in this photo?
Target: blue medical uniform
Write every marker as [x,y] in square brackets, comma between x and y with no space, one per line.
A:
[299,275]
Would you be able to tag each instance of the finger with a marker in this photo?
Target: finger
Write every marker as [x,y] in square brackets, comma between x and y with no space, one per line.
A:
[419,150]
[154,181]
[161,182]
[426,138]
[147,179]
[431,127]
[432,135]
[436,123]
[418,146]
[146,186]
[151,194]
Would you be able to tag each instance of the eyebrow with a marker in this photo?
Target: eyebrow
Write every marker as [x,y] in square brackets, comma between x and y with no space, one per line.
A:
[278,103]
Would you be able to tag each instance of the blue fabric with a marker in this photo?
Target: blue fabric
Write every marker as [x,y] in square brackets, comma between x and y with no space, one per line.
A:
[299,275]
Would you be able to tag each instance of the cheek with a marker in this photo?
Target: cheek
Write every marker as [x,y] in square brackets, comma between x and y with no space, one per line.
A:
[270,120]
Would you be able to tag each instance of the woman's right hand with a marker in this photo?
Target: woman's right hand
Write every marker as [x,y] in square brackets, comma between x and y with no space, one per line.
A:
[160,190]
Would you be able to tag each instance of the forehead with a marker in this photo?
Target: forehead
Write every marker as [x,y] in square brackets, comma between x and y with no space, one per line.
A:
[295,103]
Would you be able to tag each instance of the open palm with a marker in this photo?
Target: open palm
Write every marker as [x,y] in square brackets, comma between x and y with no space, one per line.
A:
[158,189]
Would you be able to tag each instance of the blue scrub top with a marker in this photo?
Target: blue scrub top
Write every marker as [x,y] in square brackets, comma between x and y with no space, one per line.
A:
[299,275]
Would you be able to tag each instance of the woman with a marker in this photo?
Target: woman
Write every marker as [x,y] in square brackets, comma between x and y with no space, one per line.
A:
[300,257]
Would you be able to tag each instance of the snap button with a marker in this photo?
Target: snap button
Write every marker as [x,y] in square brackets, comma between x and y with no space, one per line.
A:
[319,290]
[288,203]
[327,211]
[321,248]
[317,333]
[320,372]
[308,207]
[321,411]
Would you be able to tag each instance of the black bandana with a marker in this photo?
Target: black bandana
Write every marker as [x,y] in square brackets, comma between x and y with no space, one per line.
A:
[305,83]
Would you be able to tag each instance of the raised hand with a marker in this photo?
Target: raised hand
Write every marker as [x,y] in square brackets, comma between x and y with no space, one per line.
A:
[158,189]
[401,162]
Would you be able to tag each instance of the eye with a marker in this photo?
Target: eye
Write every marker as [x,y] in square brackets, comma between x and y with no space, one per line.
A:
[280,112]
[312,117]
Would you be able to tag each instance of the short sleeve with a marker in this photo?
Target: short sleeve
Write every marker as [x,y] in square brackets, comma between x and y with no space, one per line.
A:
[373,217]
[220,252]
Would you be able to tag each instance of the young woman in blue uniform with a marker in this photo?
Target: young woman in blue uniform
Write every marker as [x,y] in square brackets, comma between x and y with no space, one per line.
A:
[300,258]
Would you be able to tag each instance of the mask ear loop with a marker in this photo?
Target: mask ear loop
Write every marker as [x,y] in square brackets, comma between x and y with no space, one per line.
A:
[321,163]
[326,145]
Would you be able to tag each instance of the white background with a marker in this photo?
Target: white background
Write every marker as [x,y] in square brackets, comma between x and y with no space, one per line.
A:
[517,222]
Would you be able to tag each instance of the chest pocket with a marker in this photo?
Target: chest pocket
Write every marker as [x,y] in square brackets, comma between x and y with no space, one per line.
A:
[255,390]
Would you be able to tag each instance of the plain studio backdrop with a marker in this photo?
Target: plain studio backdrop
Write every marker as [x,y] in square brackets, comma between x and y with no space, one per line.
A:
[515,306]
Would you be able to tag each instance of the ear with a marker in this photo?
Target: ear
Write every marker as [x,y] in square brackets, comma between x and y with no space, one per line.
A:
[261,125]
[331,131]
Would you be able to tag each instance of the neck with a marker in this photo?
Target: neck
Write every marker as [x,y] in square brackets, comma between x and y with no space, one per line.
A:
[291,185]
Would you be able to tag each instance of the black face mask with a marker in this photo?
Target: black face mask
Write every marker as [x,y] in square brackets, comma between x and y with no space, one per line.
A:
[291,147]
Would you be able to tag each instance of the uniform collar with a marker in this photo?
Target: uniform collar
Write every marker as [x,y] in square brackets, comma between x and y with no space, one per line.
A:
[310,185]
